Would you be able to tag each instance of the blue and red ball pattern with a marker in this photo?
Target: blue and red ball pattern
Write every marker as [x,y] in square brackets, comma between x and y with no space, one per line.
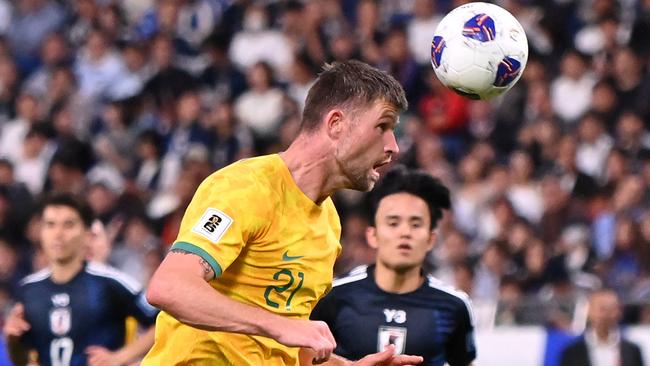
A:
[507,71]
[437,47]
[480,27]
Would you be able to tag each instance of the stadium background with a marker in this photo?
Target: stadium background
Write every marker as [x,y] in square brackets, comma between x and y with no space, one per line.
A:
[133,102]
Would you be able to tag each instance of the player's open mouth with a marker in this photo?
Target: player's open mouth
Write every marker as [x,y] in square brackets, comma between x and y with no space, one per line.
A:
[404,247]
[379,165]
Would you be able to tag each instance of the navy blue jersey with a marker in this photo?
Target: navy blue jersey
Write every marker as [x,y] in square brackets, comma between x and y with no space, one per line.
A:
[90,309]
[434,321]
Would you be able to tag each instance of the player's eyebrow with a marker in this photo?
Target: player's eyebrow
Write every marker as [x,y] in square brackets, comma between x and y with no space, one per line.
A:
[390,117]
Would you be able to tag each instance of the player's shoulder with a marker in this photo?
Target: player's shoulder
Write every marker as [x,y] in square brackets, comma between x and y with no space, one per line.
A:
[351,279]
[104,272]
[446,292]
[250,168]
[36,277]
[254,175]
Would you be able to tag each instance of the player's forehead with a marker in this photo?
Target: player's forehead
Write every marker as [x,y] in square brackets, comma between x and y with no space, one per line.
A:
[384,109]
[402,204]
[59,213]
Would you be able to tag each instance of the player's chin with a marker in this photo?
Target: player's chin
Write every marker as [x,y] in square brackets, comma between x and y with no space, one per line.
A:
[403,266]
[371,179]
[364,184]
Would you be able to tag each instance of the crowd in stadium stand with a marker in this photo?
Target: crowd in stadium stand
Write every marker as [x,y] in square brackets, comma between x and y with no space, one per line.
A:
[132,103]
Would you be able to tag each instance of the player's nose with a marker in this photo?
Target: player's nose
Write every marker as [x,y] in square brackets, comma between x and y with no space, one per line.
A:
[390,143]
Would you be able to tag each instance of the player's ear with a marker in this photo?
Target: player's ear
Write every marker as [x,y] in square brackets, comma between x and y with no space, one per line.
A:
[334,123]
[433,236]
[371,236]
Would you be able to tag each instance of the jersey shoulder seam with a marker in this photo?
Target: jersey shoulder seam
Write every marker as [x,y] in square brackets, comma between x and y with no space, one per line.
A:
[356,274]
[454,292]
[112,273]
[36,277]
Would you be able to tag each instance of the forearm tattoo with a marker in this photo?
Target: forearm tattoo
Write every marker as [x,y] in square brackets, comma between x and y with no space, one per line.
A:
[207,269]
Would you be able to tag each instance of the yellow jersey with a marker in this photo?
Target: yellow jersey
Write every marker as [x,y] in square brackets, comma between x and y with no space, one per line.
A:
[269,245]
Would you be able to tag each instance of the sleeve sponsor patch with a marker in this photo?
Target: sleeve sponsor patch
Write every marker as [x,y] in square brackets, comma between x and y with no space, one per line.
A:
[213,224]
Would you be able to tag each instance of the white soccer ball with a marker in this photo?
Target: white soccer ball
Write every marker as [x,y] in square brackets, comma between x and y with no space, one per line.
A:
[479,50]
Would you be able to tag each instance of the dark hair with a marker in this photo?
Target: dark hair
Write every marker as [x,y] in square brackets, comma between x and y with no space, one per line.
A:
[72,201]
[416,182]
[350,84]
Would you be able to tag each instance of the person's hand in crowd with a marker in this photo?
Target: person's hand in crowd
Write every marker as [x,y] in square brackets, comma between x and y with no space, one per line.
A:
[16,325]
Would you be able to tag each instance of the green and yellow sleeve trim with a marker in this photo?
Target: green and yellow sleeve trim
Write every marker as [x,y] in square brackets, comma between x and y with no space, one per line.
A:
[201,253]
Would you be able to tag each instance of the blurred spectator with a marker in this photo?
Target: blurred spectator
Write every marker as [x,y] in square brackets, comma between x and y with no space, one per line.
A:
[640,33]
[593,146]
[452,252]
[234,140]
[420,28]
[301,79]
[9,227]
[9,269]
[493,265]
[605,102]
[471,194]
[444,112]
[54,52]
[623,267]
[258,42]
[84,15]
[571,91]
[559,209]
[98,67]
[32,21]
[10,78]
[602,343]
[34,159]
[16,204]
[13,132]
[220,80]
[114,143]
[138,254]
[185,132]
[5,15]
[260,108]
[524,193]
[68,167]
[632,137]
[356,250]
[399,62]
[168,81]
[196,19]
[628,74]
[533,274]
[149,151]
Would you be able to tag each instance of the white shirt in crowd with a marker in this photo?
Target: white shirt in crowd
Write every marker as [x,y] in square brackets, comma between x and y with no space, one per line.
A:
[603,353]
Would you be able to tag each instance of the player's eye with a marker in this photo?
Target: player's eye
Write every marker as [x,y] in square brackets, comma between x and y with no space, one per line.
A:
[385,126]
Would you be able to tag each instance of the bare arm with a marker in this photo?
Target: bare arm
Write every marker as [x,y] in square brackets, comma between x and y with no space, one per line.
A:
[139,347]
[132,352]
[384,358]
[180,288]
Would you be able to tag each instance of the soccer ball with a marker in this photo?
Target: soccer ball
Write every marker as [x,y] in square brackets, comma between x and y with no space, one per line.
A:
[479,50]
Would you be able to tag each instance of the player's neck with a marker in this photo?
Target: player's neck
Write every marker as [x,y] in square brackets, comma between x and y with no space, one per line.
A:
[308,161]
[64,272]
[398,282]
